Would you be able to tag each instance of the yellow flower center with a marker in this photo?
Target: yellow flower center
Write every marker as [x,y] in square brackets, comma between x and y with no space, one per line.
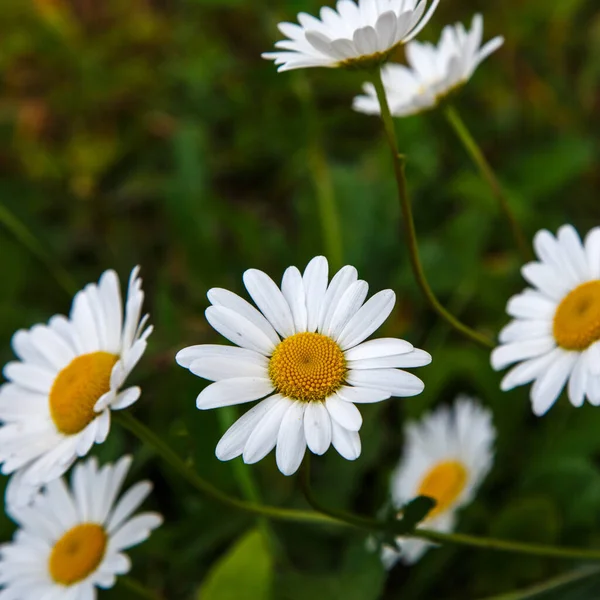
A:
[77,388]
[77,554]
[444,483]
[577,318]
[307,366]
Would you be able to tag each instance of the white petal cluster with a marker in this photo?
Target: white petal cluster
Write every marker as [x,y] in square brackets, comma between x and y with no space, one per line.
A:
[463,434]
[355,34]
[565,264]
[29,439]
[433,71]
[92,498]
[305,302]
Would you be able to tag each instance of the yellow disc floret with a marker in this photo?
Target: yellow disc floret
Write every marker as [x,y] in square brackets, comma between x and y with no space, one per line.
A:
[577,318]
[444,483]
[308,367]
[77,388]
[77,554]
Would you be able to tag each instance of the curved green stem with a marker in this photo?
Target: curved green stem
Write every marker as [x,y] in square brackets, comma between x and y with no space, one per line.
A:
[506,545]
[164,450]
[486,171]
[29,241]
[409,225]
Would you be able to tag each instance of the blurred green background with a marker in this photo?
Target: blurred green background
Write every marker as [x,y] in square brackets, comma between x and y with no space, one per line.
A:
[151,132]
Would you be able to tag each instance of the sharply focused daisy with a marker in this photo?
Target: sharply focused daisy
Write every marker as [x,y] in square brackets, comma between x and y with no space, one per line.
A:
[70,374]
[555,334]
[305,349]
[434,73]
[71,541]
[446,457]
[358,35]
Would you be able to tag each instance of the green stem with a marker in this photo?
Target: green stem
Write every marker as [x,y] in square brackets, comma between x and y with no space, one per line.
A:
[326,516]
[138,588]
[319,169]
[550,585]
[409,225]
[506,545]
[172,458]
[486,171]
[29,241]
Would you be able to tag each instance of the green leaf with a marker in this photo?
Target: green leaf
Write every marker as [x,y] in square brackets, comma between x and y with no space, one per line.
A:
[413,513]
[244,573]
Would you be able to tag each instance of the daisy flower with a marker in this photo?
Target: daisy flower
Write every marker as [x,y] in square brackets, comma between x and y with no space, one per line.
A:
[69,376]
[434,73]
[555,334]
[305,350]
[358,35]
[446,457]
[71,541]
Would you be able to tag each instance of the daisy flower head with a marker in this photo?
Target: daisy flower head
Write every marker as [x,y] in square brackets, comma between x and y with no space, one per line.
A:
[69,376]
[446,457]
[434,72]
[304,349]
[555,333]
[71,541]
[357,34]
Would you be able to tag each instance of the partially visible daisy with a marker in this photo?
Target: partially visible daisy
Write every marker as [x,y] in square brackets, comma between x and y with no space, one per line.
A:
[71,541]
[69,376]
[434,73]
[555,334]
[446,457]
[305,349]
[354,35]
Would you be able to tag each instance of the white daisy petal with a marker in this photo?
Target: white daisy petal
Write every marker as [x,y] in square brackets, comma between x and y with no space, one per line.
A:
[394,381]
[264,436]
[341,281]
[237,390]
[269,299]
[592,251]
[317,427]
[347,307]
[291,440]
[347,443]
[517,351]
[232,444]
[362,395]
[292,288]
[379,348]
[368,319]
[344,413]
[551,382]
[227,299]
[239,330]
[315,286]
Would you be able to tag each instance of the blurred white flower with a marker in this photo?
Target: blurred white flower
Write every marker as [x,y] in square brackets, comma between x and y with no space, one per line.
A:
[555,334]
[359,34]
[71,541]
[446,457]
[68,378]
[305,349]
[434,72]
